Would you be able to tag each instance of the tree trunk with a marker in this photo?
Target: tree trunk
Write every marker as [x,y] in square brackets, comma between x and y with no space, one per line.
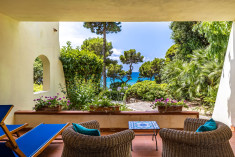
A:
[131,69]
[129,74]
[104,59]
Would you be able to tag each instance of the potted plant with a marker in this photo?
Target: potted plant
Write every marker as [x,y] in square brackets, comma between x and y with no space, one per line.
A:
[104,105]
[54,103]
[168,105]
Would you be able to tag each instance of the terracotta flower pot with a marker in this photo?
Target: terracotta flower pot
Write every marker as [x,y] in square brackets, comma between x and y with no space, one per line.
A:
[105,109]
[175,108]
[47,108]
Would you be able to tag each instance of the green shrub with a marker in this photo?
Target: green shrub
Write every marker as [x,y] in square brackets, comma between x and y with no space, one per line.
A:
[113,95]
[115,85]
[116,93]
[103,102]
[81,94]
[82,71]
[80,65]
[147,90]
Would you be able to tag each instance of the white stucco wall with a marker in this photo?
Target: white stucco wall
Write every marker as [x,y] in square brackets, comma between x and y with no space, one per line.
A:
[224,110]
[20,44]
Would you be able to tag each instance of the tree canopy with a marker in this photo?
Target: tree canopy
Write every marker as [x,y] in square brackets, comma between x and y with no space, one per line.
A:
[80,64]
[151,69]
[171,52]
[217,35]
[100,27]
[186,38]
[131,57]
[146,70]
[115,71]
[157,64]
[95,45]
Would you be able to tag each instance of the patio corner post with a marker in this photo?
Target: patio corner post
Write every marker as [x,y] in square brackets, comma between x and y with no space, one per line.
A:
[224,109]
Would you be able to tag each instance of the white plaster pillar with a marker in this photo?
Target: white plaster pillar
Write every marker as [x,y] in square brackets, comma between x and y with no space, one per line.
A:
[224,110]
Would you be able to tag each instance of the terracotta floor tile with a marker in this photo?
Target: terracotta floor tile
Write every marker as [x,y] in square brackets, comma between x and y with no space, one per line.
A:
[143,146]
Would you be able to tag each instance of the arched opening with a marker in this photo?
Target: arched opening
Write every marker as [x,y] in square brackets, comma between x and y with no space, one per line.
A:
[41,74]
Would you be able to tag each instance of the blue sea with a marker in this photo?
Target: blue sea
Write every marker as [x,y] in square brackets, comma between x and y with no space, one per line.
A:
[134,76]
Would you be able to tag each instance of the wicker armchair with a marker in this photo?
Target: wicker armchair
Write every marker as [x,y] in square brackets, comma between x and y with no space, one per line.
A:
[188,143]
[79,145]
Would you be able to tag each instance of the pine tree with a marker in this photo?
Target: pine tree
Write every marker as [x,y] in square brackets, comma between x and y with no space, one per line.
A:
[103,28]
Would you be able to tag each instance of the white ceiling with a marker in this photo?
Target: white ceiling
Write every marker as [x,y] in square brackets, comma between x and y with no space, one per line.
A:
[119,10]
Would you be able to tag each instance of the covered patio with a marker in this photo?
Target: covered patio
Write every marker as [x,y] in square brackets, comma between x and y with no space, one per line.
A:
[29,29]
[142,146]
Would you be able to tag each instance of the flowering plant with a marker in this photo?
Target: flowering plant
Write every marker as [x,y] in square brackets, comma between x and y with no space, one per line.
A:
[51,102]
[167,102]
[103,102]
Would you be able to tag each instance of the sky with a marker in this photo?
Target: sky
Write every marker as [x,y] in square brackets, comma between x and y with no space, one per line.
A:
[151,39]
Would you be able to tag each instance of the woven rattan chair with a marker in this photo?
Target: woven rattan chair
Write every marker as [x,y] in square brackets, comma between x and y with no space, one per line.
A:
[188,143]
[79,145]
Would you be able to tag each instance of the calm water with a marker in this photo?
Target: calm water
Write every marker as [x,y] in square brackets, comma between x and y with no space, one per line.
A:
[134,75]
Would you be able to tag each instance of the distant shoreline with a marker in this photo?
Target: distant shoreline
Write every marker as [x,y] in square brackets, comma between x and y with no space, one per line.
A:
[134,75]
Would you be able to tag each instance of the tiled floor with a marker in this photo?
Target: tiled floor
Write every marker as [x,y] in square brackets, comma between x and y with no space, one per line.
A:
[143,146]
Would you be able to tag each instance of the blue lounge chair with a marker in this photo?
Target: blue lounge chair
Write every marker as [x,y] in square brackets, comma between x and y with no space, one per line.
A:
[30,144]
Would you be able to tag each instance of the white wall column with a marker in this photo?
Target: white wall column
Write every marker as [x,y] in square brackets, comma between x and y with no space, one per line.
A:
[224,110]
[20,44]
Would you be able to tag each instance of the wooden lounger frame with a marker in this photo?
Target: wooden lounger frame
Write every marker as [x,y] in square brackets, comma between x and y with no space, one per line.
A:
[49,142]
[12,143]
[15,131]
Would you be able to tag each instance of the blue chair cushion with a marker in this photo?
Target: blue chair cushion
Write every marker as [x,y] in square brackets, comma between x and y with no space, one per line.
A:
[34,140]
[208,126]
[82,130]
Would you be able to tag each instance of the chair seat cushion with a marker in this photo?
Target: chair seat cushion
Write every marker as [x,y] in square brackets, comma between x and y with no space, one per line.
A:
[210,125]
[38,138]
[82,130]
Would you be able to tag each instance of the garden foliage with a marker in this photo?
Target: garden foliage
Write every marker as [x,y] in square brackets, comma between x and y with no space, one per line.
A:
[186,38]
[194,72]
[171,52]
[115,72]
[116,93]
[53,101]
[95,45]
[151,69]
[37,88]
[38,71]
[80,65]
[147,90]
[82,70]
[81,94]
